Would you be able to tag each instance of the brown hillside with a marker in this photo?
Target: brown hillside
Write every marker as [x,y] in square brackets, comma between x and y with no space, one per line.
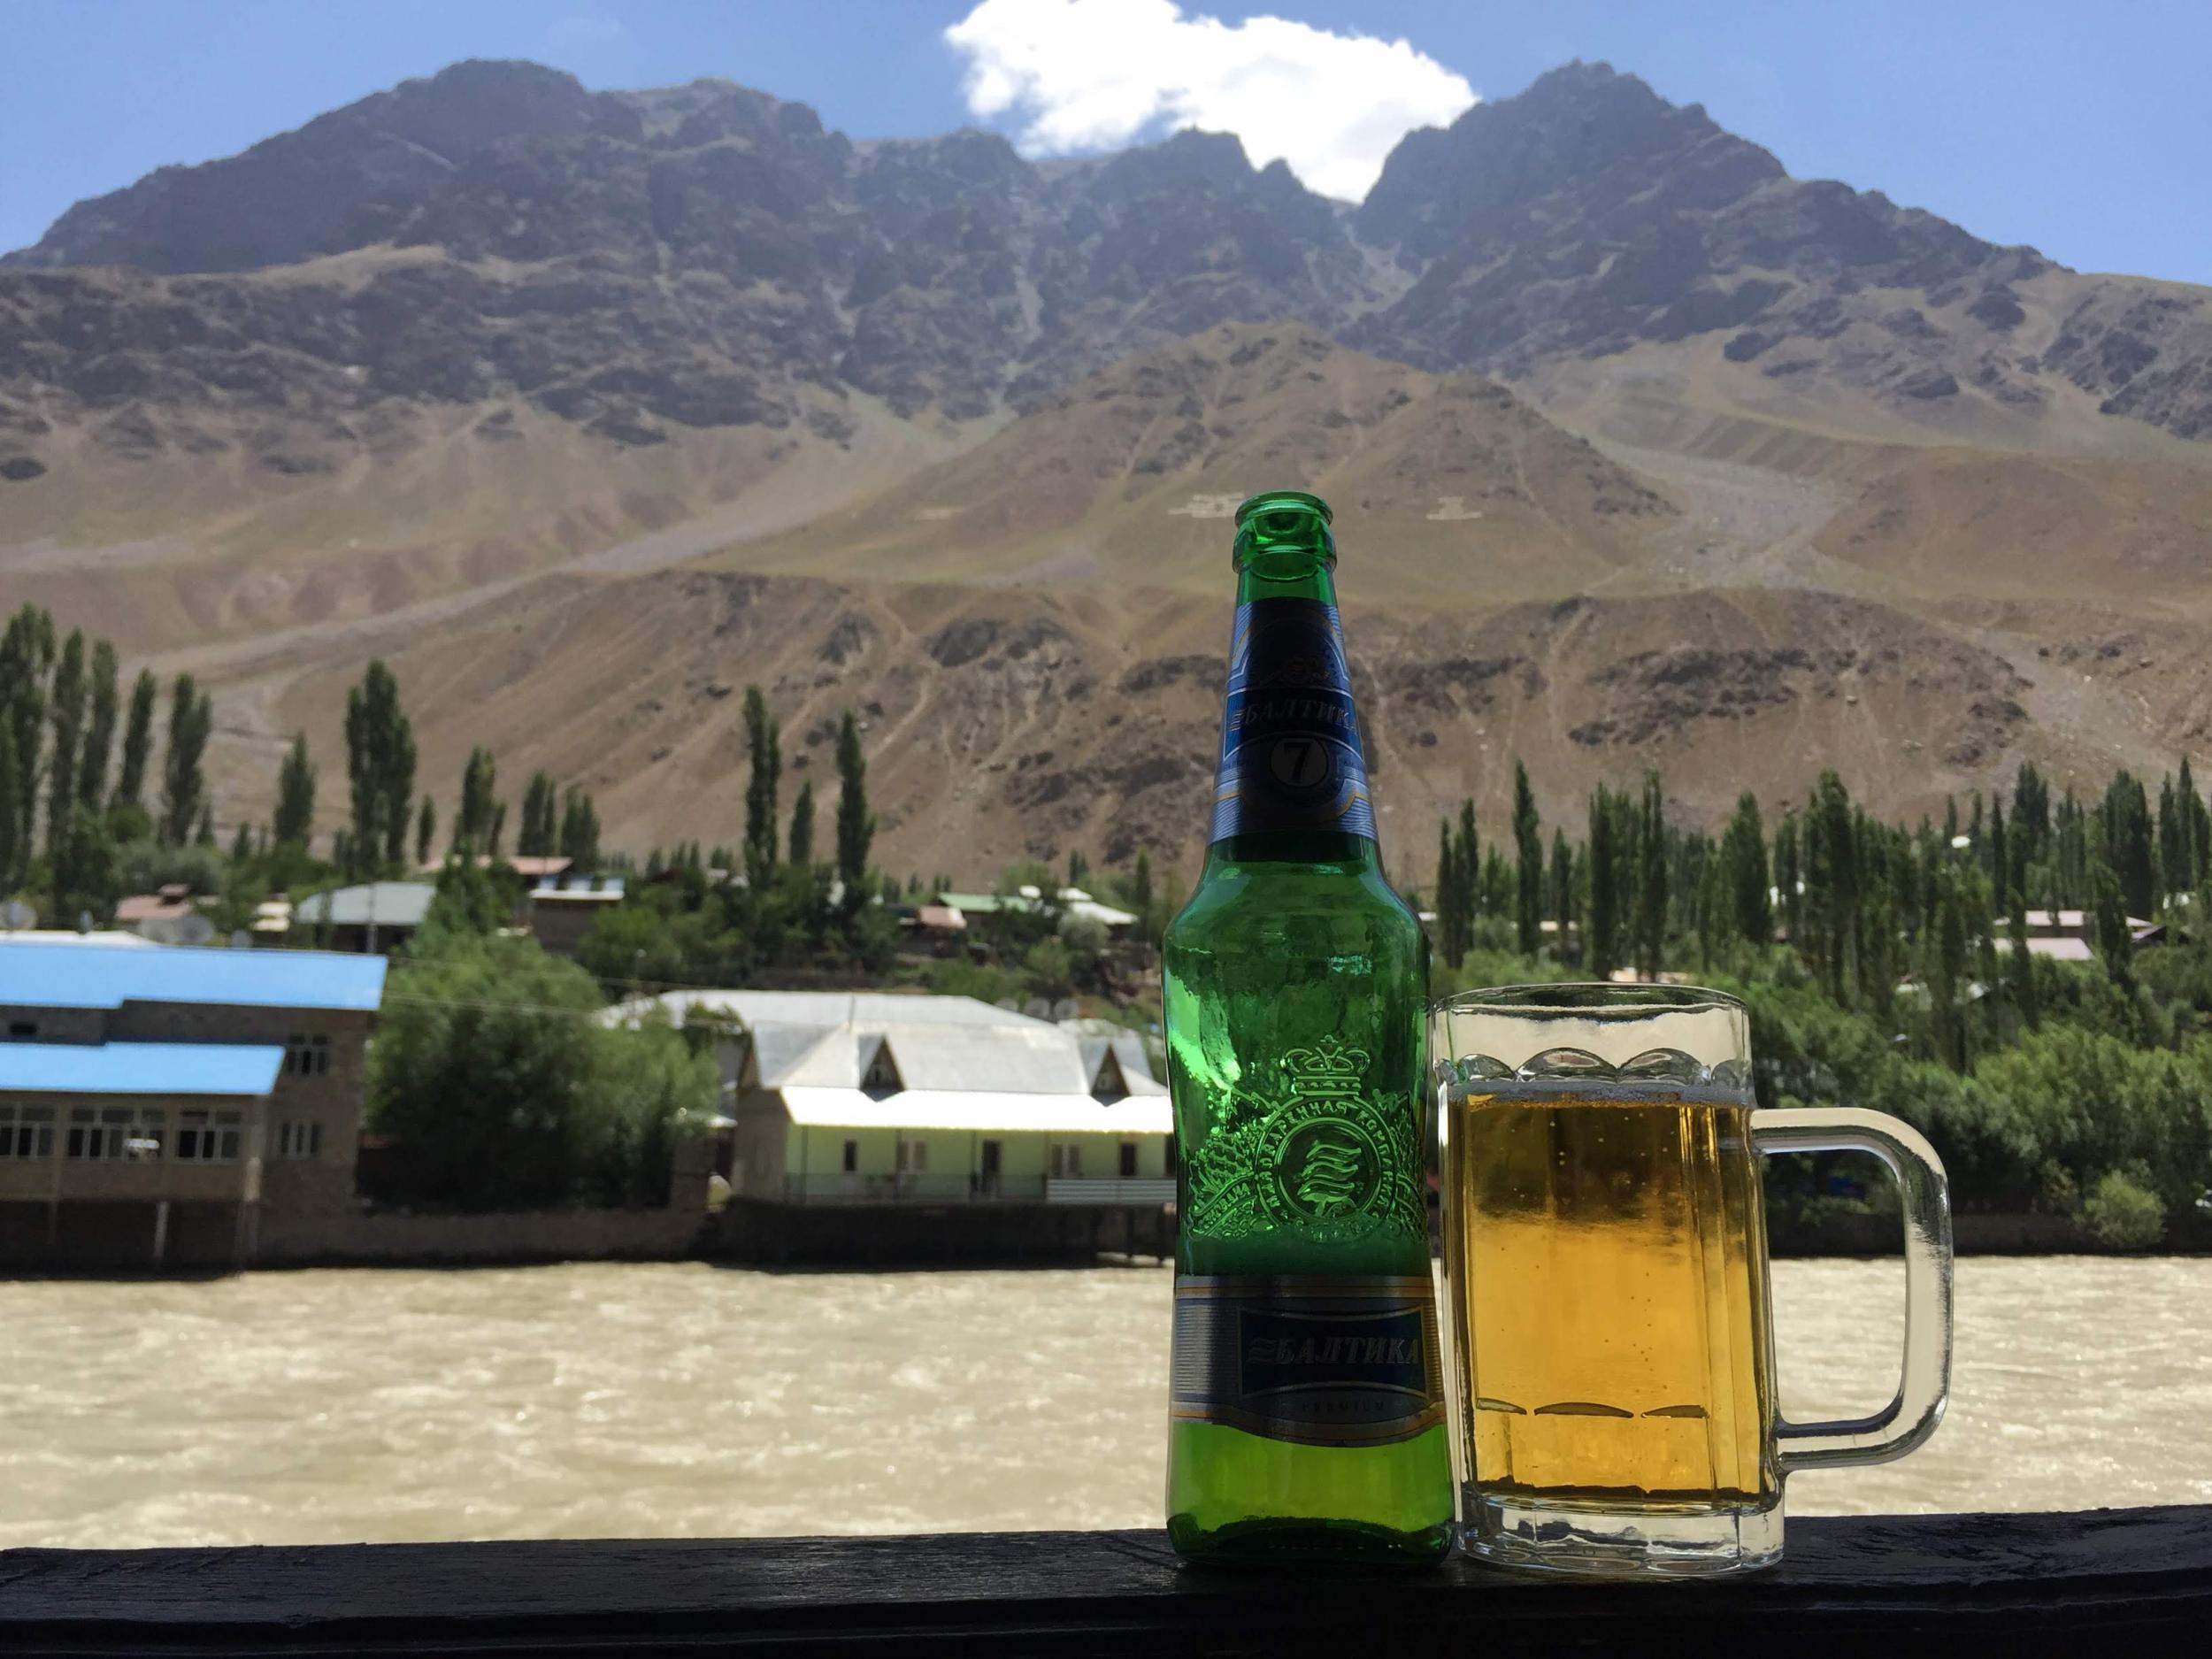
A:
[1446,488]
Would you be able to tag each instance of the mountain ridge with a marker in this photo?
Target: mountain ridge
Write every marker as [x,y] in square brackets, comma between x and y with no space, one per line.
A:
[579,406]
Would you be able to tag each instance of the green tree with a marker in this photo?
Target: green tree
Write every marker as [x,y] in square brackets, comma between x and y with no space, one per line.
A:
[1789,876]
[2116,943]
[294,820]
[2020,967]
[540,831]
[1450,945]
[426,829]
[472,819]
[2130,848]
[380,768]
[204,832]
[2000,870]
[1605,884]
[1562,870]
[580,830]
[1651,878]
[1743,872]
[84,871]
[1528,851]
[66,701]
[11,815]
[493,1072]
[1468,851]
[99,734]
[26,657]
[763,746]
[138,742]
[801,844]
[1833,841]
[183,777]
[856,824]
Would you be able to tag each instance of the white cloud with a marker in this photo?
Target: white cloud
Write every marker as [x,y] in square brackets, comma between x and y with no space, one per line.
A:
[1089,74]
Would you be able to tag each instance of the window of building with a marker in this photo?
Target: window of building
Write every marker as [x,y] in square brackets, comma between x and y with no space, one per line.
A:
[1067,1161]
[1167,1153]
[852,1157]
[208,1137]
[23,1028]
[306,1056]
[101,1134]
[301,1138]
[1128,1159]
[913,1158]
[881,1075]
[1108,1084]
[27,1131]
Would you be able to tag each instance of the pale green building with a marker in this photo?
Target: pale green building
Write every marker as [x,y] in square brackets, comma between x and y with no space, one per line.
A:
[877,1097]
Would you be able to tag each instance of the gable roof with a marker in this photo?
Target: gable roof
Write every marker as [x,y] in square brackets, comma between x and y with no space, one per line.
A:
[387,903]
[99,975]
[140,1068]
[977,1110]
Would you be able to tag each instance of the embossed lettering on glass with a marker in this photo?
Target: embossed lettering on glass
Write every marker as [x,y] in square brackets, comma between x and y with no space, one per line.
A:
[1605,1254]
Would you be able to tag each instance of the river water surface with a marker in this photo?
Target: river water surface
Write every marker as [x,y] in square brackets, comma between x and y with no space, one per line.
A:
[683,1399]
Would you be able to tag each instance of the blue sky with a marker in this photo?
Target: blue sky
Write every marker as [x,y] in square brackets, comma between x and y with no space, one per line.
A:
[2085,130]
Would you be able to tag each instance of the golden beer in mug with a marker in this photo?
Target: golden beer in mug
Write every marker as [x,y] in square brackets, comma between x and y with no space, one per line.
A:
[1605,1263]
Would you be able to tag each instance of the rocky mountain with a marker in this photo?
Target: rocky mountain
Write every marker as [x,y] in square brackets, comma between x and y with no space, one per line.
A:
[585,407]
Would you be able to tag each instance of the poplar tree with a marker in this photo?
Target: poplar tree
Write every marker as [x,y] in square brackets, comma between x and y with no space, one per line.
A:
[1528,852]
[1468,849]
[138,742]
[1651,878]
[1450,945]
[541,829]
[426,829]
[183,780]
[26,655]
[801,844]
[1743,872]
[1605,884]
[762,746]
[580,830]
[1561,870]
[294,819]
[65,705]
[99,735]
[2020,968]
[379,767]
[856,824]
[11,817]
[1999,851]
[1789,878]
[472,817]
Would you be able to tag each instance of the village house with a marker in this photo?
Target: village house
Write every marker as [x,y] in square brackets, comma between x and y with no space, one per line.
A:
[877,1097]
[155,1103]
[374,917]
[560,908]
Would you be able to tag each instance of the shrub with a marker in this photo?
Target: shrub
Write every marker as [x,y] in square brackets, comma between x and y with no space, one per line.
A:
[2123,1214]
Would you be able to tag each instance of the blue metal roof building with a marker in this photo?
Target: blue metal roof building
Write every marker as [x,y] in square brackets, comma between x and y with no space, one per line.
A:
[94,975]
[140,1068]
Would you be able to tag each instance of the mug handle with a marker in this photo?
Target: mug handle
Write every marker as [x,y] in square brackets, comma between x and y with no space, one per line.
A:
[1925,1387]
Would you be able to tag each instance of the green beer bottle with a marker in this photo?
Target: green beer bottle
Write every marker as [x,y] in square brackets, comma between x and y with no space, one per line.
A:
[1307,1384]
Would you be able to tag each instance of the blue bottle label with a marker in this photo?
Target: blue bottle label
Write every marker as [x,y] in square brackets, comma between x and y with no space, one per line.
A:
[1290,747]
[1318,1361]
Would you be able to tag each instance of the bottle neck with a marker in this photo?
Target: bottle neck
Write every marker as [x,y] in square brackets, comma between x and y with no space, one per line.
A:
[1291,783]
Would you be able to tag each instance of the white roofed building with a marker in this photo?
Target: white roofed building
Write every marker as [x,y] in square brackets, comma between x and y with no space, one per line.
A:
[865,1097]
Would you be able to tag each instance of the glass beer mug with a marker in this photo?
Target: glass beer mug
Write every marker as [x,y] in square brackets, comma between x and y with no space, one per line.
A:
[1605,1261]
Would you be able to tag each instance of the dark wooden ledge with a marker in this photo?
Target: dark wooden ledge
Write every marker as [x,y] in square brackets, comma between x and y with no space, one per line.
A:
[1887,1586]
